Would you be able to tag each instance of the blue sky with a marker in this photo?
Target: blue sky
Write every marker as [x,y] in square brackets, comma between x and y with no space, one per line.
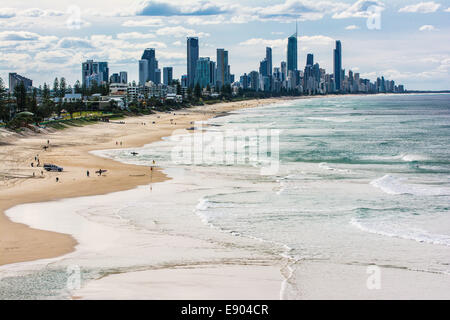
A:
[43,39]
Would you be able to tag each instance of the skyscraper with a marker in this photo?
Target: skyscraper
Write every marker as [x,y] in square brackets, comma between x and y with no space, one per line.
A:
[283,71]
[338,66]
[203,72]
[292,54]
[222,75]
[167,75]
[123,77]
[192,58]
[143,72]
[269,61]
[148,67]
[310,59]
[94,71]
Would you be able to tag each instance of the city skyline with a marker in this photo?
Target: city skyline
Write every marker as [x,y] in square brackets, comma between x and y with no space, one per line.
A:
[372,53]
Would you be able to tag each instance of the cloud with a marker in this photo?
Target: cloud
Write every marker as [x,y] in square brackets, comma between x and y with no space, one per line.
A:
[361,9]
[18,36]
[6,13]
[151,22]
[180,32]
[422,7]
[352,27]
[427,27]
[135,35]
[298,9]
[200,8]
[447,10]
[69,43]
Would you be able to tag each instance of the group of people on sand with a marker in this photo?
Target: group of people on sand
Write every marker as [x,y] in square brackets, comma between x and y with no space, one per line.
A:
[117,143]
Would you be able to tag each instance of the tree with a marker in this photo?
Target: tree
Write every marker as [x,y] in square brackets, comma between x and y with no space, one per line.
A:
[34,106]
[20,93]
[55,88]
[62,88]
[77,87]
[197,91]
[4,109]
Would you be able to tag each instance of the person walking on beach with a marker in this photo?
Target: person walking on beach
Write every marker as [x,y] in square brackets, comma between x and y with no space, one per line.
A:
[57,179]
[87,173]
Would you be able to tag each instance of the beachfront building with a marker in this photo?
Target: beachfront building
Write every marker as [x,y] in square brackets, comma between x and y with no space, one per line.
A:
[192,58]
[15,80]
[223,69]
[204,75]
[92,71]
[338,66]
[148,67]
[292,53]
[167,75]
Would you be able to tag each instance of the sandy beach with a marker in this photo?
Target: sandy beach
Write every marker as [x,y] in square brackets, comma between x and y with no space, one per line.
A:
[70,149]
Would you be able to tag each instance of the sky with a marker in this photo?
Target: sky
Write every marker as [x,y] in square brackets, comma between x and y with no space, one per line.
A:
[407,41]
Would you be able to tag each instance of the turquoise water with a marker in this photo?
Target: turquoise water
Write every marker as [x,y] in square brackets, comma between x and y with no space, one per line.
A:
[361,180]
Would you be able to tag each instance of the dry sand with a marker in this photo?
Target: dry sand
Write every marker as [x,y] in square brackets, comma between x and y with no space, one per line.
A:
[70,149]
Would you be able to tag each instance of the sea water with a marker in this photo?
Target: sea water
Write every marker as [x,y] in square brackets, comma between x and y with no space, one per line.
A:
[361,180]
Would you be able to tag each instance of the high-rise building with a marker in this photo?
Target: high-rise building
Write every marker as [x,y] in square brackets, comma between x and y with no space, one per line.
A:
[338,66]
[203,72]
[292,53]
[222,73]
[269,61]
[148,67]
[15,80]
[310,59]
[94,71]
[123,77]
[184,80]
[192,58]
[157,76]
[143,72]
[254,80]
[283,71]
[245,81]
[167,75]
[115,78]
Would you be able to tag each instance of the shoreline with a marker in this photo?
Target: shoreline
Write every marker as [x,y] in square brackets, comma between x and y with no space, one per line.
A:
[71,148]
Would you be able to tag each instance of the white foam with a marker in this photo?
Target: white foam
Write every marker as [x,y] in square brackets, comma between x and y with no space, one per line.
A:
[396,186]
[402,233]
[414,157]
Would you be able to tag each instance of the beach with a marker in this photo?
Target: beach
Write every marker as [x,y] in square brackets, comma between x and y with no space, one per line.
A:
[356,209]
[70,149]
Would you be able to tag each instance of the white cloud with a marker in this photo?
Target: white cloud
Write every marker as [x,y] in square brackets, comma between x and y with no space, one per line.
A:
[177,43]
[422,7]
[6,13]
[427,27]
[135,35]
[151,22]
[180,32]
[447,10]
[18,36]
[361,9]
[352,27]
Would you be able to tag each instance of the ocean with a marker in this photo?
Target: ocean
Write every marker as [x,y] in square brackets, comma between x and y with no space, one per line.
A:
[359,180]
